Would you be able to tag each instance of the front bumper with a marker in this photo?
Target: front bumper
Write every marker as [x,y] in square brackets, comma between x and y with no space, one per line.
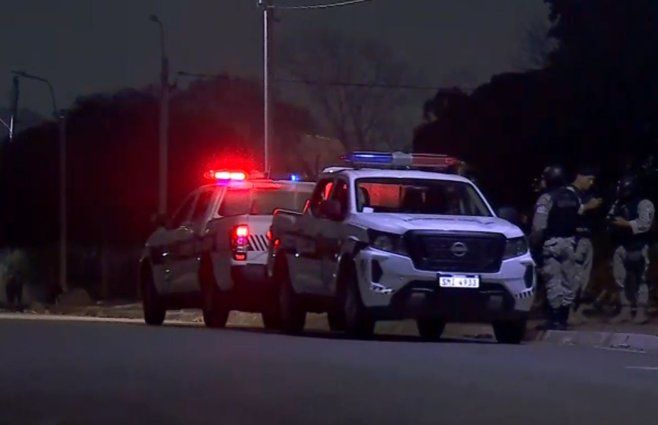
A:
[391,287]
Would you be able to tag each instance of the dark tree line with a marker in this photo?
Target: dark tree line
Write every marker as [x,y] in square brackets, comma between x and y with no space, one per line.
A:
[595,102]
[112,169]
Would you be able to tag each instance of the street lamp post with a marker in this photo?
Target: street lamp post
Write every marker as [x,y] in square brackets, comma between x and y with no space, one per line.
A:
[60,116]
[14,108]
[268,11]
[267,120]
[163,128]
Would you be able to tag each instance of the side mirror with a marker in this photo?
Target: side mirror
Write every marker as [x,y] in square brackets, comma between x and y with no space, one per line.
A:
[331,209]
[510,214]
[160,220]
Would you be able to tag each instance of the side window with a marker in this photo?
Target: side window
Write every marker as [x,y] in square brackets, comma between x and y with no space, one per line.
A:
[201,206]
[321,193]
[182,215]
[341,195]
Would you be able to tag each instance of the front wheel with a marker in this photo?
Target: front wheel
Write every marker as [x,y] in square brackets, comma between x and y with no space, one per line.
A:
[336,320]
[430,329]
[154,310]
[293,316]
[271,319]
[358,321]
[215,311]
[510,332]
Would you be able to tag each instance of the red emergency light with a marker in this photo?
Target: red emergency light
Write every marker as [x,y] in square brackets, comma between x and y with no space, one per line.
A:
[226,175]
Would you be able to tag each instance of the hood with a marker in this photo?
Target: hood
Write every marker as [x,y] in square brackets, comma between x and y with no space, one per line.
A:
[401,223]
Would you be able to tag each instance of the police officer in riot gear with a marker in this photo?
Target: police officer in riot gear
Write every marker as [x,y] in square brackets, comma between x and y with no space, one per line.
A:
[554,232]
[629,222]
[584,251]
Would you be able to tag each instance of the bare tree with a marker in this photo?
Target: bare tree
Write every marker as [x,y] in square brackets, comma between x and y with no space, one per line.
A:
[352,84]
[536,44]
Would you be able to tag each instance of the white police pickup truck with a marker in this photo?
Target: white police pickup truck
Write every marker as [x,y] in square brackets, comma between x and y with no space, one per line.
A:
[213,252]
[384,239]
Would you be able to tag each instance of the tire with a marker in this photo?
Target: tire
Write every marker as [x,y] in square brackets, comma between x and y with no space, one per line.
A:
[152,305]
[358,322]
[336,320]
[293,316]
[215,310]
[430,329]
[510,332]
[271,320]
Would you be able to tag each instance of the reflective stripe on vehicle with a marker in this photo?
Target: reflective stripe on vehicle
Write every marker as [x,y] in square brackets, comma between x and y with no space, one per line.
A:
[257,243]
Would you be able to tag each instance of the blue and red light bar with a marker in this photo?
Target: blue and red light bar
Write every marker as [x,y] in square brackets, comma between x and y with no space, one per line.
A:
[400,160]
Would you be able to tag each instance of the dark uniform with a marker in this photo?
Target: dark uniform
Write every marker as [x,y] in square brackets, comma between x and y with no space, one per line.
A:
[554,225]
[630,260]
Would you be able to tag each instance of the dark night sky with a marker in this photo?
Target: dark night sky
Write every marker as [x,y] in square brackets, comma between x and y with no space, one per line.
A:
[86,46]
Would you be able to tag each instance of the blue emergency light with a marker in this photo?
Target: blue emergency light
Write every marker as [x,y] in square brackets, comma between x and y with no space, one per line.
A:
[400,160]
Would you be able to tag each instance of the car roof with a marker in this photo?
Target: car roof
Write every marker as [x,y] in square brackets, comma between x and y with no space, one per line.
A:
[393,173]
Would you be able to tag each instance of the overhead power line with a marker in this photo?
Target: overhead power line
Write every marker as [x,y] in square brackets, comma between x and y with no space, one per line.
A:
[363,85]
[322,6]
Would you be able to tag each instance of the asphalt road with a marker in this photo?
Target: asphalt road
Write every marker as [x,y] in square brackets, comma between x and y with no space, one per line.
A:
[96,373]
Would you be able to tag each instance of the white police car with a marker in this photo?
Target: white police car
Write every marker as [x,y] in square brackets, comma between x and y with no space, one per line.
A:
[384,239]
[212,253]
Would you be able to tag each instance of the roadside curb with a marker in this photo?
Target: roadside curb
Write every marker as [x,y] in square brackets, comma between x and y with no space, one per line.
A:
[621,341]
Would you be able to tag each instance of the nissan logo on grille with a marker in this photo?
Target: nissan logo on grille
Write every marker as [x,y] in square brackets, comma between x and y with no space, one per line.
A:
[459,249]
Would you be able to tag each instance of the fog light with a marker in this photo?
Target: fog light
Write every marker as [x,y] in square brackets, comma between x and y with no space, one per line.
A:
[529,276]
[376,271]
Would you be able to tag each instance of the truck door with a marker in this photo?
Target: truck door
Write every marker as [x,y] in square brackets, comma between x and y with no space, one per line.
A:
[331,238]
[187,244]
[305,262]
[162,246]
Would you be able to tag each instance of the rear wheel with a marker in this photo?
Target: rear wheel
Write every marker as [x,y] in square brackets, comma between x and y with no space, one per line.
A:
[336,320]
[430,329]
[271,319]
[358,322]
[154,310]
[510,332]
[215,310]
[293,316]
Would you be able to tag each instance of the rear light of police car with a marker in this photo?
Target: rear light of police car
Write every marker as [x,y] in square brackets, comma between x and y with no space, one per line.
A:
[240,242]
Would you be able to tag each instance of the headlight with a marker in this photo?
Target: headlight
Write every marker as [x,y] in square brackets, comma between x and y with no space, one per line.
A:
[515,247]
[388,242]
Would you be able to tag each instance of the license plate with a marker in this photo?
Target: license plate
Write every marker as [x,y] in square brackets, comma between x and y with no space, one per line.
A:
[459,281]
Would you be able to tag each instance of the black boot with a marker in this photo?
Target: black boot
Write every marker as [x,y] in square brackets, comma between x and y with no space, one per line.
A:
[562,318]
[551,322]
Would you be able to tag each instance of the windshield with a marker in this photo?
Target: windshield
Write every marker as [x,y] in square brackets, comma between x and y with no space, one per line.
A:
[261,201]
[419,196]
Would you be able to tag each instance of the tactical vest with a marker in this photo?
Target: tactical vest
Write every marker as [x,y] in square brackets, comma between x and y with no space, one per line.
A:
[563,216]
[624,236]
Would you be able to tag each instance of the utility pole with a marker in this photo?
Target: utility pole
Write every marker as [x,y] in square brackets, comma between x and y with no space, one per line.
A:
[60,116]
[163,128]
[14,108]
[268,13]
[268,10]
[63,267]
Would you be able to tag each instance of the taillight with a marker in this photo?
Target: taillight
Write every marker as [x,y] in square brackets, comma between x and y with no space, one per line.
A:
[240,242]
[268,235]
